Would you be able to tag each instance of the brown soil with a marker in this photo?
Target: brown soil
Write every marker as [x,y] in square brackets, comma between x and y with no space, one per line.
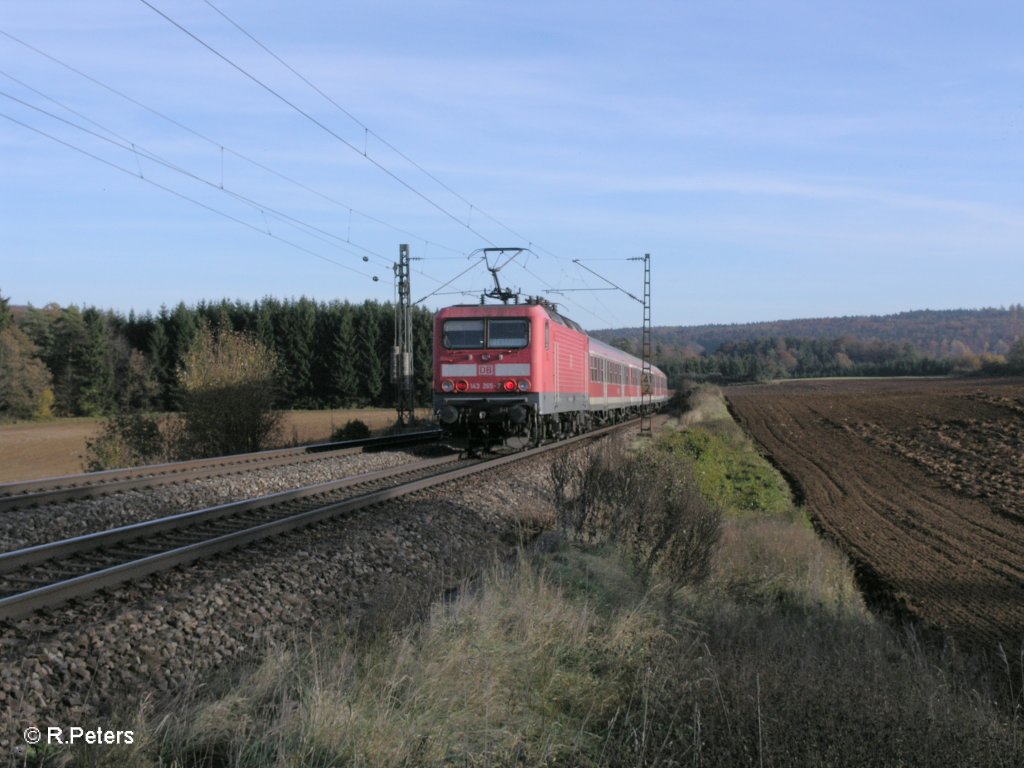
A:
[920,482]
[33,450]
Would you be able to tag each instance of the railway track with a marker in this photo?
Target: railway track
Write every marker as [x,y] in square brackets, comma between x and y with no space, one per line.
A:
[52,490]
[47,575]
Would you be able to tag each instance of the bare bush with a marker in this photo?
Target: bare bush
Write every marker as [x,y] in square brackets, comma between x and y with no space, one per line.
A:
[645,502]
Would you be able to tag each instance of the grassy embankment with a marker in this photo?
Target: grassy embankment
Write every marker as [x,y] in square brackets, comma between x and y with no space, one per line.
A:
[575,657]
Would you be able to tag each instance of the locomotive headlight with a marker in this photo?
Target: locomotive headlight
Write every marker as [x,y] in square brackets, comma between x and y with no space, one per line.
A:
[509,386]
[524,385]
[447,385]
[461,385]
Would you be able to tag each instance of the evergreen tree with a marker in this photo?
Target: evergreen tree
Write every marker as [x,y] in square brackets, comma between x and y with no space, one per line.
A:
[6,318]
[137,330]
[138,388]
[159,356]
[423,343]
[294,346]
[39,325]
[96,393]
[63,358]
[1015,357]
[265,313]
[369,356]
[345,356]
[181,327]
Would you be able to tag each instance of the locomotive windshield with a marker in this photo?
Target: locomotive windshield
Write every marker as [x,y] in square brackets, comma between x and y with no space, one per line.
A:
[490,333]
[510,334]
[464,334]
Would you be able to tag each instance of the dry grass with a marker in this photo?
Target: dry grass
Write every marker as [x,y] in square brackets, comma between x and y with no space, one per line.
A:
[569,660]
[32,450]
[302,427]
[781,563]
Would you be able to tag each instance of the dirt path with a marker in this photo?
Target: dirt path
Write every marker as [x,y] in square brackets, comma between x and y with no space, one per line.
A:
[920,482]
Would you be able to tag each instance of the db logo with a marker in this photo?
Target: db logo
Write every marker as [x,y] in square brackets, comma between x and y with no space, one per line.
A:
[485,370]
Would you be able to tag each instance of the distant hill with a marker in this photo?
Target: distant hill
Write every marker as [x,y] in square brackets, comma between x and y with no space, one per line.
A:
[937,334]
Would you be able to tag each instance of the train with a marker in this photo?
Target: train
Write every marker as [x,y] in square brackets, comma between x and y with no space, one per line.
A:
[520,374]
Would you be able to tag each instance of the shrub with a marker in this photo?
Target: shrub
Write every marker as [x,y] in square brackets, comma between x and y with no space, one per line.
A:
[127,440]
[644,502]
[44,408]
[354,429]
[228,385]
[730,470]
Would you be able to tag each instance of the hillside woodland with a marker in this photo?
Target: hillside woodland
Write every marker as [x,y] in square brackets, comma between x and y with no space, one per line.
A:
[926,342]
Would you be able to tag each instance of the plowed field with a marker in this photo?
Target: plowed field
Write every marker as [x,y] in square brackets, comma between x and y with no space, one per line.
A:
[920,482]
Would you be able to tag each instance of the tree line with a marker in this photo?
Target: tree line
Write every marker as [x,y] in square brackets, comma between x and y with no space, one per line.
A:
[785,357]
[947,333]
[72,361]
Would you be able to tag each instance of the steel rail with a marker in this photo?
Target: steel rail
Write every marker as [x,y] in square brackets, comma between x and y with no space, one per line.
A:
[68,487]
[21,604]
[40,553]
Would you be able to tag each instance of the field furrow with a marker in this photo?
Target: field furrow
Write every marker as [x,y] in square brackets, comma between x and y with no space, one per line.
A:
[920,482]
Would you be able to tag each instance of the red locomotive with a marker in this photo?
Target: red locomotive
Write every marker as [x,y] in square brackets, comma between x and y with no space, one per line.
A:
[520,373]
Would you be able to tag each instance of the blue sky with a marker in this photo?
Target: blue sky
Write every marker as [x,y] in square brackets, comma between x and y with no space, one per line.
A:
[777,159]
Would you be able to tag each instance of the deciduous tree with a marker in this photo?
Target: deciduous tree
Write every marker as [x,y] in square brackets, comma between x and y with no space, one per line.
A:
[25,383]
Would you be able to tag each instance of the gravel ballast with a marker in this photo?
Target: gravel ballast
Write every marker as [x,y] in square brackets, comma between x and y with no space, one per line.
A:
[116,652]
[37,525]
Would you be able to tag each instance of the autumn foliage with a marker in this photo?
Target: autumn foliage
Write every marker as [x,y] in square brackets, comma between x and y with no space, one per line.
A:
[228,385]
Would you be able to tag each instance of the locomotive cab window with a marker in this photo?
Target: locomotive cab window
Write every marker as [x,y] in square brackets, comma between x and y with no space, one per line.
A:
[464,334]
[508,334]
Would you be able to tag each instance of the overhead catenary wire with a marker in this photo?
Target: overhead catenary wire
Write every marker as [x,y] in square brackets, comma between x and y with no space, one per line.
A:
[183,196]
[463,272]
[262,208]
[570,301]
[135,149]
[367,130]
[602,277]
[222,147]
[320,124]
